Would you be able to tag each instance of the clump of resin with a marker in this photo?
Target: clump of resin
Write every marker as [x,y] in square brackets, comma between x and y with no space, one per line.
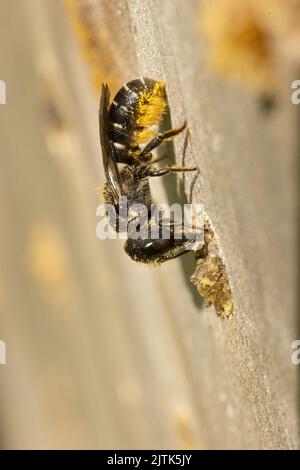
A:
[210,276]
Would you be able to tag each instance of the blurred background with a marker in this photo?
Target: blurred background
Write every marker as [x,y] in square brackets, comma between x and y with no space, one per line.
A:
[103,352]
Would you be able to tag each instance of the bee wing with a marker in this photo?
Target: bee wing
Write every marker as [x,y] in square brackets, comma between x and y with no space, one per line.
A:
[110,165]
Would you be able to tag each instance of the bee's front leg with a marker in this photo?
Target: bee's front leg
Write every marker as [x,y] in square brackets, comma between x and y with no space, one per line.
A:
[159,138]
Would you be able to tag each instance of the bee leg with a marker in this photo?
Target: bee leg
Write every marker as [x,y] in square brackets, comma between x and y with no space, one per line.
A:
[169,169]
[178,250]
[184,243]
[159,138]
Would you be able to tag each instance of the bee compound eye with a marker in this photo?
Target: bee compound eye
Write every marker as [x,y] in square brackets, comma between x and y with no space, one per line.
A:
[154,247]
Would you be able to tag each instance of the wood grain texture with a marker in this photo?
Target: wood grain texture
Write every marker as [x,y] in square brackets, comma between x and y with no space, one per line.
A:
[105,353]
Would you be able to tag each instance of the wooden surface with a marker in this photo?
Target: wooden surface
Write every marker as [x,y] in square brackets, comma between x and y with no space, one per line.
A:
[103,352]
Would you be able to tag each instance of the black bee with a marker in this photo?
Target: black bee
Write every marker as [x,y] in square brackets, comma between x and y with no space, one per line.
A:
[125,125]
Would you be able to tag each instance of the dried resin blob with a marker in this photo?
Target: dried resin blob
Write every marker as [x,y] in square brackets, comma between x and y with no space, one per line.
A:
[210,276]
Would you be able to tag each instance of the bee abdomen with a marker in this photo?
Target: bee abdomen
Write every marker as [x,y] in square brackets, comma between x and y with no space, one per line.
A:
[126,110]
[127,97]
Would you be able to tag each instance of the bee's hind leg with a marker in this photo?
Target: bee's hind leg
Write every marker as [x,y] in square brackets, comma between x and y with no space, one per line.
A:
[170,169]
